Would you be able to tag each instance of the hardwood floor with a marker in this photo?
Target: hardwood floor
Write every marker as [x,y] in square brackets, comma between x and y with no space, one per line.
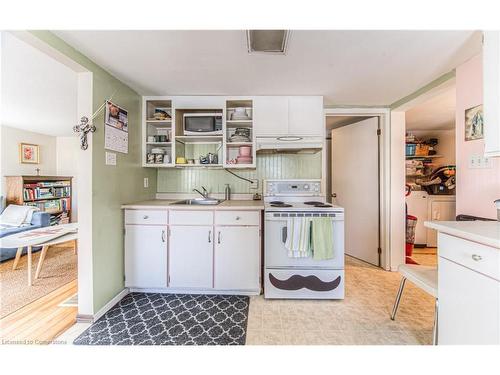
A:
[41,321]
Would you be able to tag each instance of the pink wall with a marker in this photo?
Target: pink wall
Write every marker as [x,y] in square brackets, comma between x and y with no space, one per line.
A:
[476,188]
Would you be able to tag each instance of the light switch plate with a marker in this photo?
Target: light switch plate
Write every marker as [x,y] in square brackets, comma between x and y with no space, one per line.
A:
[110,158]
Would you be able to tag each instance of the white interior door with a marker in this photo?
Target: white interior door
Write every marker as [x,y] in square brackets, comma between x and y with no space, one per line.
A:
[355,186]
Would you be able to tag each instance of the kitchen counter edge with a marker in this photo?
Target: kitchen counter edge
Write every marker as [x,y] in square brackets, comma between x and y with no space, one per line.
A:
[483,232]
[158,204]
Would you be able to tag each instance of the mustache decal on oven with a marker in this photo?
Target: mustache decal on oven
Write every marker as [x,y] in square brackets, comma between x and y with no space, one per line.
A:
[297,282]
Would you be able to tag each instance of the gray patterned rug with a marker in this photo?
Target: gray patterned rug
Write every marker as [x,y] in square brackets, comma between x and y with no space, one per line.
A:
[171,319]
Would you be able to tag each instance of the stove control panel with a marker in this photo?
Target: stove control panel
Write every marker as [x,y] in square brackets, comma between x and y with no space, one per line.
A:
[292,187]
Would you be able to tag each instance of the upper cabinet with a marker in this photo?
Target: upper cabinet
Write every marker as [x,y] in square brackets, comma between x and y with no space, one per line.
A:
[491,92]
[289,116]
[221,131]
[271,115]
[305,116]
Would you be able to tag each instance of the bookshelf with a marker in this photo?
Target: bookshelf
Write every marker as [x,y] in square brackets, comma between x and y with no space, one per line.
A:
[52,194]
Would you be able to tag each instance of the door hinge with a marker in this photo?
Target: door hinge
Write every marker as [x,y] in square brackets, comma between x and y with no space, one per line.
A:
[124,231]
[260,232]
[379,250]
[379,131]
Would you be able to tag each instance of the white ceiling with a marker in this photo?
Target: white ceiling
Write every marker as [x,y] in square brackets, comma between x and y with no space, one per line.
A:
[437,113]
[347,67]
[39,94]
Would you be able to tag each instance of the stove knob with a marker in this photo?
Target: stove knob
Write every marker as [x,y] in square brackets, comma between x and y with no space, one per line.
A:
[306,187]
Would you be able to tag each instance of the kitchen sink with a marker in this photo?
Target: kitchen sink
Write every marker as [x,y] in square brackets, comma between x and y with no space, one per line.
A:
[199,201]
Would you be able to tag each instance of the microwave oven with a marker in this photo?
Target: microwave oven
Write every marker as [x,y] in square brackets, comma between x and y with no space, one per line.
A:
[203,123]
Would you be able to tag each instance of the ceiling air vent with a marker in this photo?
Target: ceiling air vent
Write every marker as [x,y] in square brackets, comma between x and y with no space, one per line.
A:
[268,41]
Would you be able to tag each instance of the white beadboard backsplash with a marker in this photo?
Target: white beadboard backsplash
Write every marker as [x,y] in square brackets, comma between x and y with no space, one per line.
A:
[269,166]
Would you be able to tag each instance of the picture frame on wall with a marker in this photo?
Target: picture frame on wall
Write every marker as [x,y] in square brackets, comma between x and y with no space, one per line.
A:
[29,153]
[474,123]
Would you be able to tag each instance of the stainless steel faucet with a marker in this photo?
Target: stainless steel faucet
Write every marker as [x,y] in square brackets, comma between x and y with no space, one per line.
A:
[204,194]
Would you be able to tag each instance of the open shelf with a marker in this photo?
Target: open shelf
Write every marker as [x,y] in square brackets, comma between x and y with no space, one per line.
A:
[199,165]
[424,157]
[238,144]
[199,138]
[160,122]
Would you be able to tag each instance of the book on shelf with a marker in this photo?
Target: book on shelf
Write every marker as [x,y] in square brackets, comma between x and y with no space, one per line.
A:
[32,193]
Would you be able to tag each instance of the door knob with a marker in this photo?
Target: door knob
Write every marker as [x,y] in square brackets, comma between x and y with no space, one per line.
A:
[334,195]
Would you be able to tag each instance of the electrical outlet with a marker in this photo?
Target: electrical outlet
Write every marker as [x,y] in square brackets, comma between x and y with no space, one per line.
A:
[146,182]
[255,184]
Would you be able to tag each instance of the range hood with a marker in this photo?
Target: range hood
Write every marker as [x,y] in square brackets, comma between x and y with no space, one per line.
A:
[289,144]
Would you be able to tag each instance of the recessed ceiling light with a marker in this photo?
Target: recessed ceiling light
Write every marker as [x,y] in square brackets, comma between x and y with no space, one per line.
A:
[268,41]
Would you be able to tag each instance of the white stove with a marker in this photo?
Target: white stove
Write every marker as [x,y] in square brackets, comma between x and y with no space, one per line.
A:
[303,278]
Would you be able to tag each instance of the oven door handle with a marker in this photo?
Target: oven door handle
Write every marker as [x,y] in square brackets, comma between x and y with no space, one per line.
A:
[283,234]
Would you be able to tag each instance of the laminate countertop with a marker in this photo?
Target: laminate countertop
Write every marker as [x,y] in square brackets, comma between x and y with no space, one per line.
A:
[483,232]
[169,204]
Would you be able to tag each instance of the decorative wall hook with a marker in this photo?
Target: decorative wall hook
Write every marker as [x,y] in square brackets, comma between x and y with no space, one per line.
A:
[84,128]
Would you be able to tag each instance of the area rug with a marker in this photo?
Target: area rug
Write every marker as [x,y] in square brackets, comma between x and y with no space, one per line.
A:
[171,319]
[59,268]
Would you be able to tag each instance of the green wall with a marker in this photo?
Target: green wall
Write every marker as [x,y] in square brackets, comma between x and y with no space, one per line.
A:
[268,166]
[111,185]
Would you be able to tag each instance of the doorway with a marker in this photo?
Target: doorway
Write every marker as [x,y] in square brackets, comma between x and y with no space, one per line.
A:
[41,113]
[430,172]
[358,180]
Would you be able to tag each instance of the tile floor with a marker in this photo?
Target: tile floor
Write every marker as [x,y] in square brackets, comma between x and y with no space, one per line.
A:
[362,318]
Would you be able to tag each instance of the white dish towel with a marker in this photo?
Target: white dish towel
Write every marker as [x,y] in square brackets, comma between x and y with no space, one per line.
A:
[298,237]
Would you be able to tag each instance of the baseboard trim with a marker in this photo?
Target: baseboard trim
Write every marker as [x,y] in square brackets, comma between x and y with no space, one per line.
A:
[255,292]
[83,318]
[110,304]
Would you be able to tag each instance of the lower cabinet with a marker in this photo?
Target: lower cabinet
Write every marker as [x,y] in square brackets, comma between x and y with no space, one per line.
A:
[468,306]
[197,251]
[237,258]
[146,256]
[191,257]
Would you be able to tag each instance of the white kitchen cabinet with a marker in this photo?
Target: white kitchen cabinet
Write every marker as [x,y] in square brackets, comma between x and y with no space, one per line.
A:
[270,115]
[491,93]
[289,116]
[191,256]
[305,116]
[145,256]
[237,258]
[468,305]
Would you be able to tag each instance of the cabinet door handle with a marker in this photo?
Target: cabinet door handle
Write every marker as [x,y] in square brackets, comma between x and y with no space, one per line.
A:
[218,238]
[209,236]
[146,217]
[163,236]
[238,218]
[476,257]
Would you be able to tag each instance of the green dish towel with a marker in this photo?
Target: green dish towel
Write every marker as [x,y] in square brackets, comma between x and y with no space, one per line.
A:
[322,238]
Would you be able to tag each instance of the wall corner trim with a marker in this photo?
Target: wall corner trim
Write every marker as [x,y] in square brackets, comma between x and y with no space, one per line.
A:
[437,82]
